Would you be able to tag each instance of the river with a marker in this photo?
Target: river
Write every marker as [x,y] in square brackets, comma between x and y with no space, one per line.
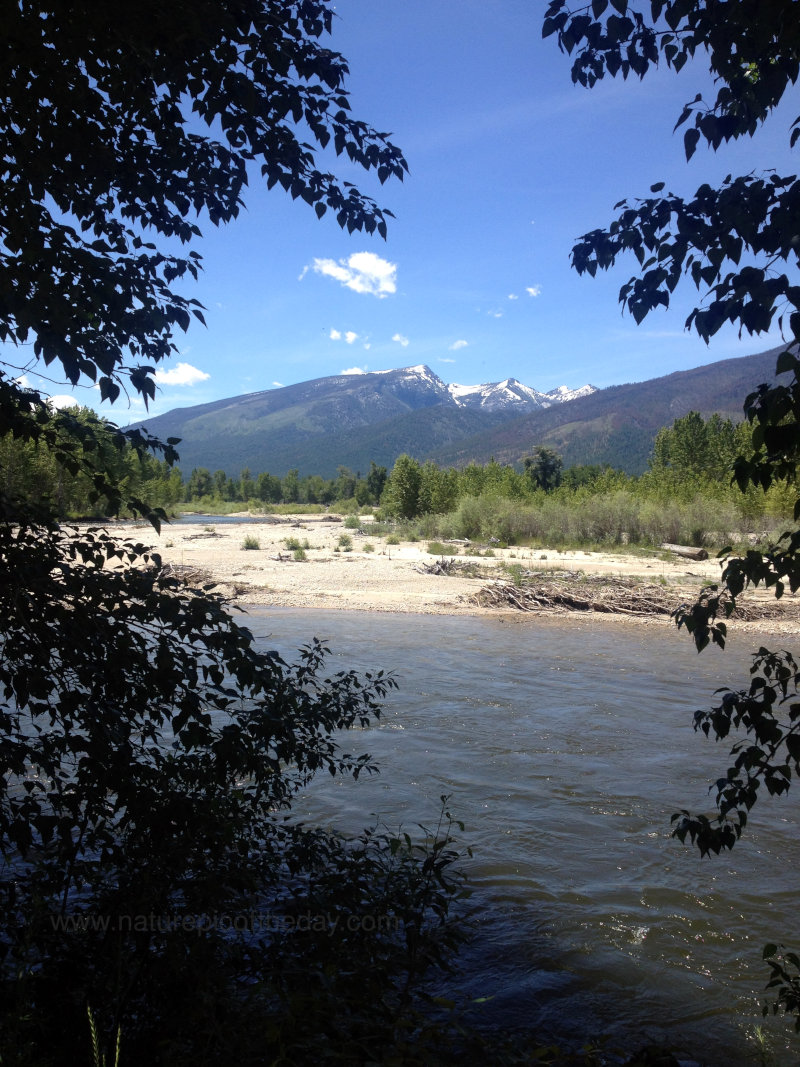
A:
[565,747]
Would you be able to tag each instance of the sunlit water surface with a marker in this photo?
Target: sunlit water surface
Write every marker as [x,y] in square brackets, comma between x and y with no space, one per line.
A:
[565,748]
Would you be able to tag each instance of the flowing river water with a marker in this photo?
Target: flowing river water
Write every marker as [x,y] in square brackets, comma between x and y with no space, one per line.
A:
[565,747]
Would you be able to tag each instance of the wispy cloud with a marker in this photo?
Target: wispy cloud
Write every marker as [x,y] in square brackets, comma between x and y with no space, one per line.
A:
[456,345]
[278,385]
[363,272]
[534,290]
[354,370]
[401,340]
[444,359]
[181,374]
[513,296]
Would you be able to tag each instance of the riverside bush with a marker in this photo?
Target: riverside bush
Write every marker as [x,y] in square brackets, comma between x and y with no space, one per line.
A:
[617,517]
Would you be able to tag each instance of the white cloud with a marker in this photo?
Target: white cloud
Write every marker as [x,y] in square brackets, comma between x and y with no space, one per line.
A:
[496,314]
[363,272]
[355,370]
[24,381]
[454,347]
[182,374]
[401,340]
[349,336]
[534,290]
[62,402]
[444,359]
[513,296]
[278,385]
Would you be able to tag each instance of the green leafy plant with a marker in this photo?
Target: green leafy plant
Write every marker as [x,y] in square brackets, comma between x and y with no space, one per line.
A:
[784,982]
[345,543]
[250,543]
[299,554]
[98,1054]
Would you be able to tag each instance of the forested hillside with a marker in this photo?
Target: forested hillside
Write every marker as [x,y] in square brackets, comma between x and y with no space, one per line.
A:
[351,420]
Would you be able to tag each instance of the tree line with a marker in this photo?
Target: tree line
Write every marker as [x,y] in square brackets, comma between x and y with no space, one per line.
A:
[692,458]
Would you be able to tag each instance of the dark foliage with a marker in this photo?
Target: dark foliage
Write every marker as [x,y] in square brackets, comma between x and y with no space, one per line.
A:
[150,754]
[150,867]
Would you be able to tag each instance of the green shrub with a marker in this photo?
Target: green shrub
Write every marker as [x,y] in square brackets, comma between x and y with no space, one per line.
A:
[352,522]
[345,542]
[299,554]
[436,548]
[369,547]
[515,572]
[392,539]
[347,507]
[251,542]
[293,543]
[429,527]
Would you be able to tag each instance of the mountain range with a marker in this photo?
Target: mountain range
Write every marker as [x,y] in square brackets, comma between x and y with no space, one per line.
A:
[352,419]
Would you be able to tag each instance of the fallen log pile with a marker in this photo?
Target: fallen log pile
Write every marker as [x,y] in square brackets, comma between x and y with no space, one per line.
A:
[578,592]
[613,595]
[446,565]
[189,575]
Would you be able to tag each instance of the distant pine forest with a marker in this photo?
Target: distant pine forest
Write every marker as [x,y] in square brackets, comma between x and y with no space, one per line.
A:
[688,494]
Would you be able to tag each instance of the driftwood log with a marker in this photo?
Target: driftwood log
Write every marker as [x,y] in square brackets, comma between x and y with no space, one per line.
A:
[687,551]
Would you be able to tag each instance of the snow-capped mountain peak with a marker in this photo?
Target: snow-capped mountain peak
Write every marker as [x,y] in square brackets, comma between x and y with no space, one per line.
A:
[511,393]
[563,393]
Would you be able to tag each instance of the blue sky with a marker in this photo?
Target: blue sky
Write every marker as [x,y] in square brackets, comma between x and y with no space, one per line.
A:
[509,163]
